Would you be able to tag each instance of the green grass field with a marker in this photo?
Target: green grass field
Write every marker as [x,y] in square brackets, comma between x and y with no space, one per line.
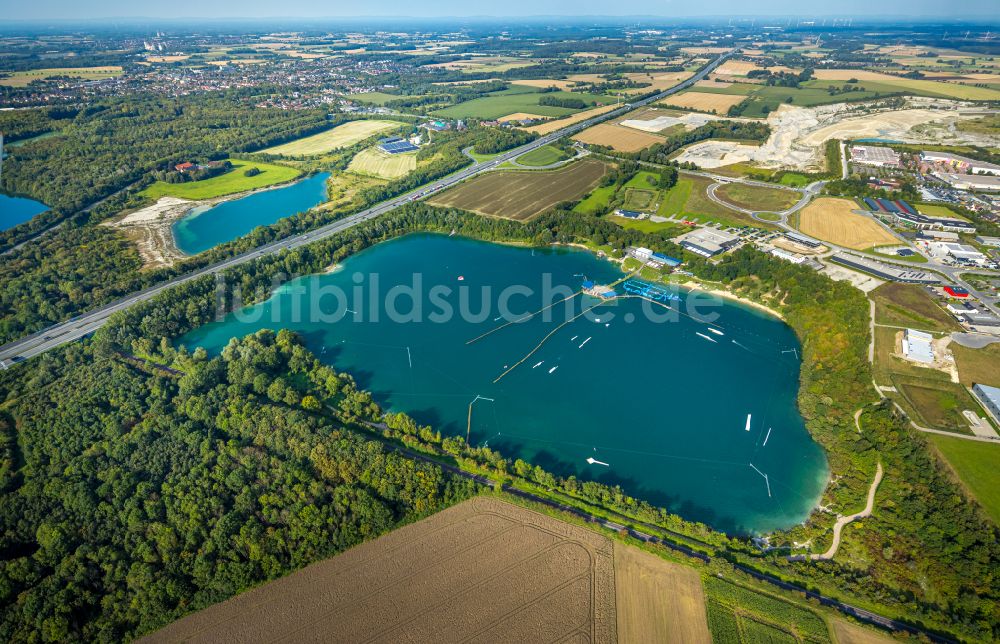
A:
[544,155]
[225,184]
[341,136]
[644,225]
[758,197]
[597,200]
[375,98]
[977,365]
[976,465]
[937,210]
[521,99]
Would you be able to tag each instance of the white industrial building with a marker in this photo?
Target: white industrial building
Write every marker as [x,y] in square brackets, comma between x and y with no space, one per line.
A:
[959,252]
[876,156]
[982,182]
[990,399]
[794,258]
[708,242]
[917,346]
[988,241]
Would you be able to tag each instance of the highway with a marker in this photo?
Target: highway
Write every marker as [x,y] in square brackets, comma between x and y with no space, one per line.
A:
[86,323]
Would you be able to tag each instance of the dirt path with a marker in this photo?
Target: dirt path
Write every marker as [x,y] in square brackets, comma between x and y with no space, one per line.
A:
[842,521]
[871,333]
[857,418]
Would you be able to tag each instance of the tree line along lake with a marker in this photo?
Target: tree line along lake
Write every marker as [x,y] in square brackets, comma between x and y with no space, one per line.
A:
[658,407]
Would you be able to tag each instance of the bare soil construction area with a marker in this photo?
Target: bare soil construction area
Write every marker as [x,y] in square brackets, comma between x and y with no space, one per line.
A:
[522,195]
[831,220]
[798,133]
[482,571]
[150,229]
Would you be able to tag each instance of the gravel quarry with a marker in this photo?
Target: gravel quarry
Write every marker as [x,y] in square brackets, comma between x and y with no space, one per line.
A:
[798,133]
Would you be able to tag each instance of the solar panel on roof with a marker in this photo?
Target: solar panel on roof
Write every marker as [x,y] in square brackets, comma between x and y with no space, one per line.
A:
[397,147]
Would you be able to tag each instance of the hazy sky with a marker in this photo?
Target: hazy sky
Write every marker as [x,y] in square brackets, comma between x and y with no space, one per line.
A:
[73,9]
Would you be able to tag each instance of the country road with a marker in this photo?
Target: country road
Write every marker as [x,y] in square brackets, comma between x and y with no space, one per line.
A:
[842,521]
[86,323]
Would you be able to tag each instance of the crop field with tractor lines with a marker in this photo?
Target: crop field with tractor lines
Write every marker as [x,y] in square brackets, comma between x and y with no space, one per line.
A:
[522,195]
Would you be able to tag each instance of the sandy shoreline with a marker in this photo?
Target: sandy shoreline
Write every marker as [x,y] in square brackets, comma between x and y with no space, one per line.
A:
[151,227]
[732,296]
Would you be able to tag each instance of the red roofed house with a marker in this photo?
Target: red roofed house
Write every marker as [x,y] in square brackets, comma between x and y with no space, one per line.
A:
[184,167]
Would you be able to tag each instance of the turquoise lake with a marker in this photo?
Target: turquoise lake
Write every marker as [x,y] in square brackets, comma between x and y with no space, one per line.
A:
[17,210]
[208,226]
[663,407]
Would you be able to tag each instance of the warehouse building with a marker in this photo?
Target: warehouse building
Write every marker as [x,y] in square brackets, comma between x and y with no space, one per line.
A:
[875,156]
[989,397]
[957,252]
[799,238]
[917,346]
[884,270]
[708,242]
[961,165]
[923,222]
[979,182]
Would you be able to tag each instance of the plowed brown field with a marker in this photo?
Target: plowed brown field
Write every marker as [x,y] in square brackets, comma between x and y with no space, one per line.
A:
[522,195]
[482,571]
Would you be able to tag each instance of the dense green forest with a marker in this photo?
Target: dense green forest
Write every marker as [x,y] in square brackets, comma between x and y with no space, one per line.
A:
[142,494]
[113,142]
[932,556]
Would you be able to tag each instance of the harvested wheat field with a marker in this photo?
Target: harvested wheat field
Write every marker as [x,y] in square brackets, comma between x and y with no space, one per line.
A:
[521,116]
[704,101]
[736,68]
[545,82]
[522,195]
[552,126]
[341,136]
[376,163]
[658,601]
[481,571]
[849,633]
[831,220]
[620,138]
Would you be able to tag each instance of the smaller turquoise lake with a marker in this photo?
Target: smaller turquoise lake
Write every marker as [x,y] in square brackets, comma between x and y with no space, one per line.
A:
[208,226]
[17,210]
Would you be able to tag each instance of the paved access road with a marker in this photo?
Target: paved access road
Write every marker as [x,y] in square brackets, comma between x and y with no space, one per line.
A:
[89,322]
